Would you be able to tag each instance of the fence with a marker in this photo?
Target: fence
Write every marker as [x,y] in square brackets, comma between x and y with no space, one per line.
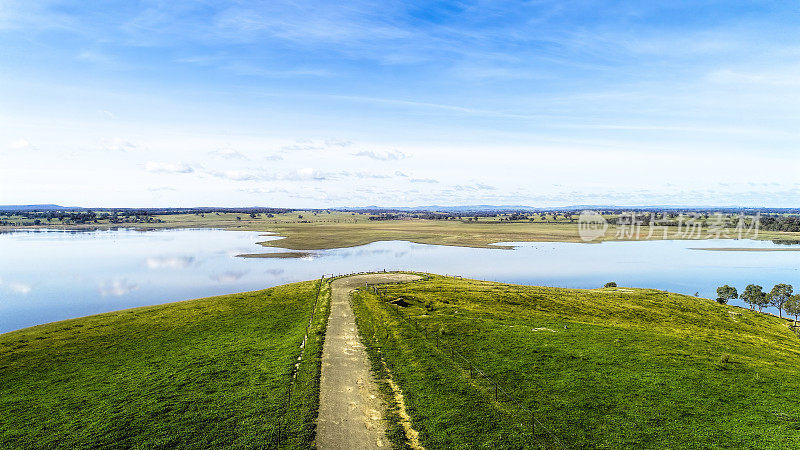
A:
[278,437]
[459,360]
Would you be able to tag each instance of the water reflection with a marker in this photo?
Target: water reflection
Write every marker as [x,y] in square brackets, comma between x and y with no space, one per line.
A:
[53,275]
[169,262]
[15,287]
[228,277]
[117,288]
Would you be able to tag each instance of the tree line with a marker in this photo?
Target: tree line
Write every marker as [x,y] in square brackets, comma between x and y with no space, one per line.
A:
[781,296]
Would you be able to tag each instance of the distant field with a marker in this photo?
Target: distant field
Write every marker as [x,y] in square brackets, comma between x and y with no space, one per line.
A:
[207,373]
[309,230]
[604,368]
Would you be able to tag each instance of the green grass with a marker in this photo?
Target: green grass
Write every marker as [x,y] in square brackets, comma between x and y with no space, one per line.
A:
[203,373]
[632,369]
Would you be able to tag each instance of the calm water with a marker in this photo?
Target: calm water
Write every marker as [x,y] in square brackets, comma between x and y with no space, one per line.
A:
[54,275]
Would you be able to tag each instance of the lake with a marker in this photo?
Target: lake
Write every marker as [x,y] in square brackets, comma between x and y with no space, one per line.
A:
[53,275]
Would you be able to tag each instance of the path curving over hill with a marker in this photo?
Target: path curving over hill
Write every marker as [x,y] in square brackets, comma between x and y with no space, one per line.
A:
[350,406]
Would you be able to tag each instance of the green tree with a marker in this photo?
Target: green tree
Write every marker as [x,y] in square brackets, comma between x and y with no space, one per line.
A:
[792,306]
[778,296]
[754,296]
[611,284]
[725,293]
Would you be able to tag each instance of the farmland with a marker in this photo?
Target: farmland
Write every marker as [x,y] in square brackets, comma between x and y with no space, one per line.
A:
[327,229]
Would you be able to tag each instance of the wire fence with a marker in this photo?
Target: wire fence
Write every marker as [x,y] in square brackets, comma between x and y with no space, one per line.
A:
[524,413]
[527,416]
[278,435]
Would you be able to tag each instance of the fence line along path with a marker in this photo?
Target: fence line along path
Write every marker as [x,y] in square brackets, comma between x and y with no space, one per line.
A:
[350,405]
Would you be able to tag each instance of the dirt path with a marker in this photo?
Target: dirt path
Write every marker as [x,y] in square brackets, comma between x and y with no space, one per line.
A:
[350,405]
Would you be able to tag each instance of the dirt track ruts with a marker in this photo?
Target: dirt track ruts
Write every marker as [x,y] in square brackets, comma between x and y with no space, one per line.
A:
[350,405]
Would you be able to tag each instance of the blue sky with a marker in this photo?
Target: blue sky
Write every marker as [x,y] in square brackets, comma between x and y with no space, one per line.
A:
[122,103]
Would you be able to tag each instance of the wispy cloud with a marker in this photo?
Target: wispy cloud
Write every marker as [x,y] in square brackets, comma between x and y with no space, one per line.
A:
[19,144]
[473,187]
[117,145]
[301,147]
[262,190]
[423,180]
[229,153]
[393,155]
[162,167]
[378,176]
[493,91]
[337,143]
[309,173]
[241,175]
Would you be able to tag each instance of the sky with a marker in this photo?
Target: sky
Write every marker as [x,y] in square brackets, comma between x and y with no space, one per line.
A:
[330,104]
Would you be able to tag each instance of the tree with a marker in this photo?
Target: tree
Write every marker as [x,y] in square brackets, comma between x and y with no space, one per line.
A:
[611,284]
[725,293]
[778,296]
[754,296]
[792,306]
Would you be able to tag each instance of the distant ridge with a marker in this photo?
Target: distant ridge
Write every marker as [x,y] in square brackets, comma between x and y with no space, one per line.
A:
[516,208]
[428,208]
[47,207]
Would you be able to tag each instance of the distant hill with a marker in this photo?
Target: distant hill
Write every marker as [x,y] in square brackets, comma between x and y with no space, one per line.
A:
[47,207]
[522,208]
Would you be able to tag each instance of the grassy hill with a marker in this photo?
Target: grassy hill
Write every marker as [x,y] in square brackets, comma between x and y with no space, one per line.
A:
[479,363]
[203,373]
[604,368]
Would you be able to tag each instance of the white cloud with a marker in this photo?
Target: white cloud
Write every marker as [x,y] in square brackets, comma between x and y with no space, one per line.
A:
[117,145]
[309,174]
[473,187]
[337,143]
[20,288]
[301,147]
[240,175]
[19,144]
[260,190]
[228,153]
[787,78]
[372,175]
[393,155]
[160,167]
